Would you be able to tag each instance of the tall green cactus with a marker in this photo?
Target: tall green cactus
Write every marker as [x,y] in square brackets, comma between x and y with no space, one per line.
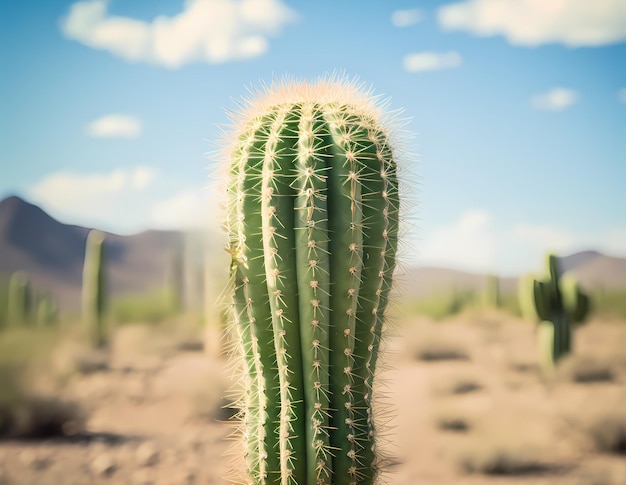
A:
[313,224]
[94,287]
[19,300]
[556,304]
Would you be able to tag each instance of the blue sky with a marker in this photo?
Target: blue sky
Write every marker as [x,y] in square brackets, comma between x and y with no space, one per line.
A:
[517,109]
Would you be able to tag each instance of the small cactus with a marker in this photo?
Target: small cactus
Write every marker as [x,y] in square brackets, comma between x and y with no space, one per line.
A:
[556,303]
[313,223]
[46,311]
[19,299]
[94,287]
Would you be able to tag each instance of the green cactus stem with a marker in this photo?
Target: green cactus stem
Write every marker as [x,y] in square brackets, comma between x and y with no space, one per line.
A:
[46,311]
[19,299]
[94,287]
[313,223]
[556,304]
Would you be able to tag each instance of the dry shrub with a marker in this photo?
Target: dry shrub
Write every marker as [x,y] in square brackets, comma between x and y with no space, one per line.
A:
[28,408]
[454,423]
[41,417]
[501,458]
[502,446]
[587,370]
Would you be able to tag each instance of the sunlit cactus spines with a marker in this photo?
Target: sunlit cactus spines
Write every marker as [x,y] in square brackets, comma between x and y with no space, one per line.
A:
[557,304]
[94,287]
[313,206]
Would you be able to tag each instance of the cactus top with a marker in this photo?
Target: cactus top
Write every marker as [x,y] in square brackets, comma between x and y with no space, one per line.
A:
[326,91]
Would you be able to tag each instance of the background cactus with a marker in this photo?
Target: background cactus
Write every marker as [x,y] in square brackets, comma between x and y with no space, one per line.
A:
[313,222]
[47,311]
[556,304]
[94,287]
[19,299]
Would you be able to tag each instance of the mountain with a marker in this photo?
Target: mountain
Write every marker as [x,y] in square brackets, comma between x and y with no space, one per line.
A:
[52,253]
[593,269]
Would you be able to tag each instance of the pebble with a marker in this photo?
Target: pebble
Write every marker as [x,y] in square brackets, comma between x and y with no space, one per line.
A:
[147,454]
[103,465]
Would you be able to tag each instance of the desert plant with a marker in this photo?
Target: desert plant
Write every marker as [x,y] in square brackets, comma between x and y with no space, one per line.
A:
[47,311]
[19,299]
[94,287]
[313,220]
[556,303]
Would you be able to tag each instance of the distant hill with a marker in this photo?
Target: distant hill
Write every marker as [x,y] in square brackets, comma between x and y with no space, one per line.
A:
[52,253]
[593,269]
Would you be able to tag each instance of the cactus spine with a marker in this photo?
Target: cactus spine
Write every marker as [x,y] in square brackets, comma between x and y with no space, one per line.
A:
[94,287]
[556,304]
[313,223]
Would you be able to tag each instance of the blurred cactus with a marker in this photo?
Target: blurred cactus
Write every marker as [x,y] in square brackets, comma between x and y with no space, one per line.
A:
[46,311]
[19,300]
[556,303]
[313,221]
[94,287]
[174,281]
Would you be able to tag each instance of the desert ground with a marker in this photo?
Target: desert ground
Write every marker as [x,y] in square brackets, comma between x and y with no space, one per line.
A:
[458,402]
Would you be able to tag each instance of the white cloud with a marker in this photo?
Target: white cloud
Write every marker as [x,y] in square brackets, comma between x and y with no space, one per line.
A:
[534,22]
[556,99]
[188,209]
[466,244]
[406,18]
[96,198]
[473,242]
[213,31]
[115,126]
[431,61]
[621,95]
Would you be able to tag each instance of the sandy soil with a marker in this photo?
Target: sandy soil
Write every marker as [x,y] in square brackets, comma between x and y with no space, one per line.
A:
[156,417]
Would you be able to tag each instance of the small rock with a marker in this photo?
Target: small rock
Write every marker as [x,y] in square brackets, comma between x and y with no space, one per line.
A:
[147,454]
[34,459]
[103,465]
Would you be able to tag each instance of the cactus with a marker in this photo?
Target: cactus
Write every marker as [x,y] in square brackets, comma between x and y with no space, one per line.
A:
[556,303]
[46,311]
[19,300]
[94,287]
[313,221]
